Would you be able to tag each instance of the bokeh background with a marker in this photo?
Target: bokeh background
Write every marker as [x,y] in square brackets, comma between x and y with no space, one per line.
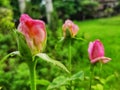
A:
[97,19]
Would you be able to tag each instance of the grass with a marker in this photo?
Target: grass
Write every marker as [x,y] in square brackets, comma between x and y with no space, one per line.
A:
[108,31]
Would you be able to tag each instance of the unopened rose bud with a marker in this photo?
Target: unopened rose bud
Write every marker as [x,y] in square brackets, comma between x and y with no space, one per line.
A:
[71,27]
[34,32]
[96,52]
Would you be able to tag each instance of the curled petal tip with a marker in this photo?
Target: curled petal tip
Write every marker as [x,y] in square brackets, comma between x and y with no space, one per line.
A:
[101,59]
[106,60]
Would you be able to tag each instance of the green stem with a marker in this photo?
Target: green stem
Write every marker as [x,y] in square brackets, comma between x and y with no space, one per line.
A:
[32,66]
[91,75]
[70,61]
[70,66]
[100,69]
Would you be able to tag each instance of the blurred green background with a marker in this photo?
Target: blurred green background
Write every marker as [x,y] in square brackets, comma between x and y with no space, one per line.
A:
[97,19]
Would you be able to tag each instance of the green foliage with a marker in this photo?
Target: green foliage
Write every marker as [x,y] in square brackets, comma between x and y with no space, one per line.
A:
[76,8]
[89,8]
[66,8]
[14,74]
[6,23]
[65,81]
[9,55]
[15,8]
[20,78]
[6,37]
[7,45]
[54,22]
[35,9]
[46,58]
[5,3]
[97,87]
[105,29]
[25,51]
[42,82]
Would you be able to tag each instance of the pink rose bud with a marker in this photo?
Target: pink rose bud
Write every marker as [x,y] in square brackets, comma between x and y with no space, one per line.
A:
[34,32]
[96,52]
[71,27]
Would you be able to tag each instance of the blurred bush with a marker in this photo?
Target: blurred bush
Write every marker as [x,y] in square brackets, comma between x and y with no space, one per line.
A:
[7,44]
[117,8]
[73,9]
[5,3]
[6,25]
[34,10]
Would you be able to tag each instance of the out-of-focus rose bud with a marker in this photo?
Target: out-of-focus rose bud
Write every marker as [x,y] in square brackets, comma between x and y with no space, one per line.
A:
[34,32]
[96,52]
[71,27]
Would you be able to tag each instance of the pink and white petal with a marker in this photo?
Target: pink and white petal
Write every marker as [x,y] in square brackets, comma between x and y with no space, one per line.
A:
[100,48]
[102,59]
[95,60]
[90,49]
[74,30]
[106,59]
[24,18]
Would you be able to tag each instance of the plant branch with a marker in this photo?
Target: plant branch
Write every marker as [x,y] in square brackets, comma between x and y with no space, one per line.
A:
[91,75]
[32,66]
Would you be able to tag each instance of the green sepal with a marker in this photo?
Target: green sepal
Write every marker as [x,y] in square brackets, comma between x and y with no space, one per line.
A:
[46,58]
[63,81]
[68,34]
[25,51]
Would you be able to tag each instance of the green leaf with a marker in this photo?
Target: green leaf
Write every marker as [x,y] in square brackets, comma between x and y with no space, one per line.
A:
[58,82]
[46,58]
[101,80]
[97,87]
[9,55]
[62,80]
[63,88]
[60,41]
[81,39]
[42,82]
[109,78]
[79,75]
[23,47]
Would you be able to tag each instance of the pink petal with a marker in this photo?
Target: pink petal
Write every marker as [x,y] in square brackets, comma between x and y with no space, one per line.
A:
[106,59]
[102,59]
[71,27]
[34,31]
[98,49]
[24,18]
[90,48]
[74,30]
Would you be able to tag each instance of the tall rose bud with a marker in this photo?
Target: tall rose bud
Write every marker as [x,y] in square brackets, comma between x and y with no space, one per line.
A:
[71,27]
[34,32]
[96,52]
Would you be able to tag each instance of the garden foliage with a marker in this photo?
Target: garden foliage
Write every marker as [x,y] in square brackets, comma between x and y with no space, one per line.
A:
[14,73]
